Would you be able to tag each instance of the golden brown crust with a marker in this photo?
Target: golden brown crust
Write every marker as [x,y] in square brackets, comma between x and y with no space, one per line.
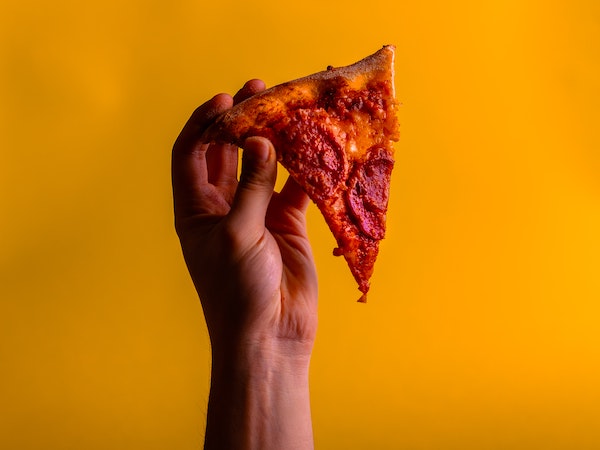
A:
[333,131]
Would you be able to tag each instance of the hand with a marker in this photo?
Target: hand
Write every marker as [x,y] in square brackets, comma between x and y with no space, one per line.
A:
[245,246]
[248,254]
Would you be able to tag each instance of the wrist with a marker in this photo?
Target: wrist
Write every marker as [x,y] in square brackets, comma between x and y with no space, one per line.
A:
[237,351]
[259,399]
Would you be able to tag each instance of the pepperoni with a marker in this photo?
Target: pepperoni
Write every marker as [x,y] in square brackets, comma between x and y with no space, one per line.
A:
[316,153]
[368,192]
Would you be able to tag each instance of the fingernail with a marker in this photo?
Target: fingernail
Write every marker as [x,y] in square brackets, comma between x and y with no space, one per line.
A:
[259,147]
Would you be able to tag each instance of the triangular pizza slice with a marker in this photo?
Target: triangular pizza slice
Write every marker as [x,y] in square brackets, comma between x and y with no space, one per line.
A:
[333,131]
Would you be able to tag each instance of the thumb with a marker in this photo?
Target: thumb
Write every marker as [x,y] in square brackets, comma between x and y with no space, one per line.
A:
[257,181]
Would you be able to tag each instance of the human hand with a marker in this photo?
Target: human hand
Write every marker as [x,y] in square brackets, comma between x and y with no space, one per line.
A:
[245,246]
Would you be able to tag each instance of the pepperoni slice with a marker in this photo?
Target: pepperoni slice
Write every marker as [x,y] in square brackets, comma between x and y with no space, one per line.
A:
[368,192]
[315,152]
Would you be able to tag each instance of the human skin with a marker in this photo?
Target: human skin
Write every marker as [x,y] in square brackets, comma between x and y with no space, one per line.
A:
[248,254]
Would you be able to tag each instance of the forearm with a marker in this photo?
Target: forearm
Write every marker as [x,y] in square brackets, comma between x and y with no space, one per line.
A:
[259,399]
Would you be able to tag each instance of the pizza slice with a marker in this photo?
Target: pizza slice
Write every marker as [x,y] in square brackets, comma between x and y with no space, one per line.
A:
[333,131]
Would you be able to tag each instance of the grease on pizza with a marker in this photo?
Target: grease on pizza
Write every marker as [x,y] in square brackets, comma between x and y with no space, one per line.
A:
[333,131]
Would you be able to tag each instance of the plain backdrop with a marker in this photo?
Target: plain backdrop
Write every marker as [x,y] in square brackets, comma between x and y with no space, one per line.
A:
[482,329]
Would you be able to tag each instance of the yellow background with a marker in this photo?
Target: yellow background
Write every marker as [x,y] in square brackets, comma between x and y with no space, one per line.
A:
[482,328]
